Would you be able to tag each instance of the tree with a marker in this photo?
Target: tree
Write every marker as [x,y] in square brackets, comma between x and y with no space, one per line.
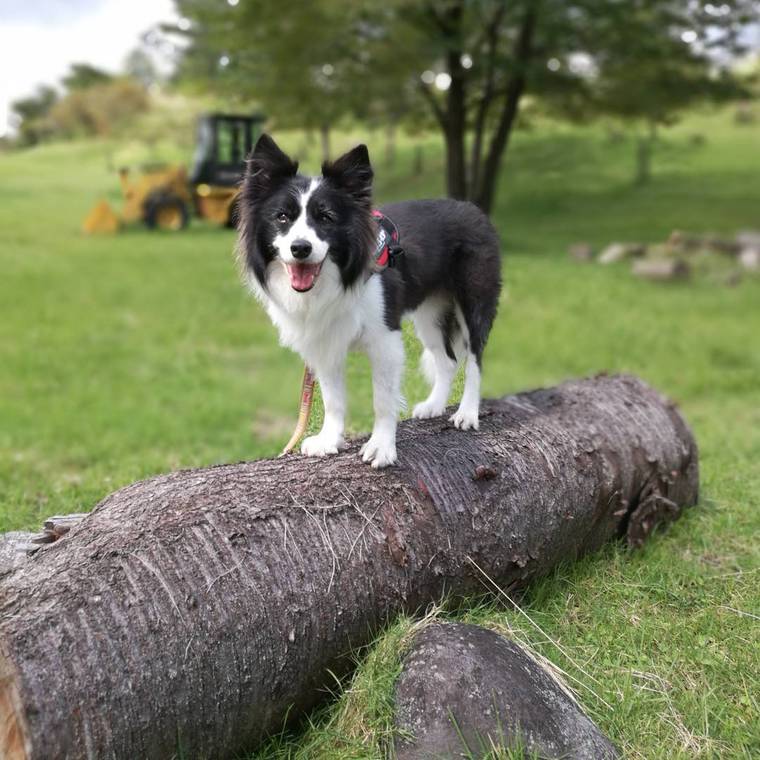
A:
[140,66]
[83,75]
[301,65]
[479,58]
[32,112]
[652,77]
[95,102]
[468,62]
[100,109]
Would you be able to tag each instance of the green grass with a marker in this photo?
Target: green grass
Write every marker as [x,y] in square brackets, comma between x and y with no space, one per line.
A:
[123,357]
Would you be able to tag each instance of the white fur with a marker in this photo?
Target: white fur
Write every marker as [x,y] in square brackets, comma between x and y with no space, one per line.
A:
[385,349]
[322,326]
[301,230]
[466,417]
[438,367]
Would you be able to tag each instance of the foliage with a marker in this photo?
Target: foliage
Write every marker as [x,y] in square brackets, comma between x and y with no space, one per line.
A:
[124,357]
[32,112]
[98,110]
[464,64]
[296,62]
[81,76]
[651,77]
[95,103]
[140,66]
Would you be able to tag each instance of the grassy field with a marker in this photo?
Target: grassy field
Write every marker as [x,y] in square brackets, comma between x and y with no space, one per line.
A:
[127,356]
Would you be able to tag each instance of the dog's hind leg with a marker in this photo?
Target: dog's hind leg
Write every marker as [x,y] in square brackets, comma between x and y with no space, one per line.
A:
[437,328]
[466,416]
[475,316]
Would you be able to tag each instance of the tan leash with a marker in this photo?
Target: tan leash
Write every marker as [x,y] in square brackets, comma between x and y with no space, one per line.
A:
[307,398]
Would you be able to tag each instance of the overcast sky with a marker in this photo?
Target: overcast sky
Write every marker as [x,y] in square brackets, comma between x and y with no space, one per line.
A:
[40,38]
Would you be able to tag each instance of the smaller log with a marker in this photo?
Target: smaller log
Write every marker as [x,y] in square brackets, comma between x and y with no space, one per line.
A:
[748,239]
[686,242]
[661,270]
[465,690]
[615,252]
[581,252]
[749,259]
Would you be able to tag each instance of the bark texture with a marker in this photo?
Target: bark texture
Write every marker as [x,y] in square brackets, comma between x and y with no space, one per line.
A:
[13,548]
[195,610]
[465,690]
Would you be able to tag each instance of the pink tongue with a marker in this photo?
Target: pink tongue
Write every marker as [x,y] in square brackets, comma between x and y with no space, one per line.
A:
[302,276]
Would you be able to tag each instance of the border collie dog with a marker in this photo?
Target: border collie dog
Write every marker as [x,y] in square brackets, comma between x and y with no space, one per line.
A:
[307,248]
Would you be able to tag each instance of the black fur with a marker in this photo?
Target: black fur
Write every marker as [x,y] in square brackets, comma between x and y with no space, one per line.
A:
[450,247]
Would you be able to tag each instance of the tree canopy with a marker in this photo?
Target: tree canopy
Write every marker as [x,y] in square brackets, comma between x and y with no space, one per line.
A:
[462,65]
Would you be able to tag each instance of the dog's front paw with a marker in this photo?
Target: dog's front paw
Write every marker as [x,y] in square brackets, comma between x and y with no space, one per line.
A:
[321,445]
[427,409]
[380,451]
[465,419]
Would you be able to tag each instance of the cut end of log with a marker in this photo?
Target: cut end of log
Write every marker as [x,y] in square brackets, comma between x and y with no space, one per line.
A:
[14,736]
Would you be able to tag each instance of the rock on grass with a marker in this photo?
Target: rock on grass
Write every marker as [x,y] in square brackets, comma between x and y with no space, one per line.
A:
[465,690]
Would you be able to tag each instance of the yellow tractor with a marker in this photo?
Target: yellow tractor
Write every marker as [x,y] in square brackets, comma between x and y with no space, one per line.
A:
[162,197]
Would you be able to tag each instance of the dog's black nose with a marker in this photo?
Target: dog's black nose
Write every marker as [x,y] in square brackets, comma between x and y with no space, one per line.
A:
[300,249]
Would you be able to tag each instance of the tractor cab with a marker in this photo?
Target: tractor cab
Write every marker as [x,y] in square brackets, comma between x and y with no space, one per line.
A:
[223,143]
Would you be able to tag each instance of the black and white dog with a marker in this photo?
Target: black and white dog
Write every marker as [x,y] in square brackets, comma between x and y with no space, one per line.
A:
[307,248]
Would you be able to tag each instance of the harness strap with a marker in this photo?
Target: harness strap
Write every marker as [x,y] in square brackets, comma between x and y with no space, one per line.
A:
[387,245]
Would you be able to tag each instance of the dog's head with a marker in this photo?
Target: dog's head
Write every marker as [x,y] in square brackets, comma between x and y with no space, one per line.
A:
[298,226]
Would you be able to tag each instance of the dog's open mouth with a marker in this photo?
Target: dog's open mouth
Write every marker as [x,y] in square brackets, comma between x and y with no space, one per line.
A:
[303,276]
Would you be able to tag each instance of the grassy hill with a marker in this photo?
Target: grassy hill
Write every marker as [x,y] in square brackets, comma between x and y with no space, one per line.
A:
[125,356]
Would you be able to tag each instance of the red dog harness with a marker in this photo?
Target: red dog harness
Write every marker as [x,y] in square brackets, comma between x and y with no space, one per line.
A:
[387,248]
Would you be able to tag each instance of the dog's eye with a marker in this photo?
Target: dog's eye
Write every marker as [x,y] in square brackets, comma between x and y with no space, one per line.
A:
[283,218]
[324,216]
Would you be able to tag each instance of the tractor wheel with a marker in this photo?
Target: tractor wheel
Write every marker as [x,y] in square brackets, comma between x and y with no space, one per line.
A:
[166,212]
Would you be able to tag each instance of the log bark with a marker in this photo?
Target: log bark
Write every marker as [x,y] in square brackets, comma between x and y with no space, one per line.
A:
[13,549]
[661,270]
[192,612]
[464,690]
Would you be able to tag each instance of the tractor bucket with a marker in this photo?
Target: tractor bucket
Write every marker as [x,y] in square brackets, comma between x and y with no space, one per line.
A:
[102,219]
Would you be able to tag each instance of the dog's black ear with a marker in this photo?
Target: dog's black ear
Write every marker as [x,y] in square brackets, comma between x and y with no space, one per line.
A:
[267,167]
[352,172]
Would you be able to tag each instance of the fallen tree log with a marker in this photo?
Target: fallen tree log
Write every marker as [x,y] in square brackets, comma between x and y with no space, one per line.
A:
[661,270]
[195,610]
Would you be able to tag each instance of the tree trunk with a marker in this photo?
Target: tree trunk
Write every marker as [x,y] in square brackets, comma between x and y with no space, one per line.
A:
[191,613]
[484,194]
[456,110]
[419,160]
[644,147]
[390,144]
[324,134]
[489,54]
